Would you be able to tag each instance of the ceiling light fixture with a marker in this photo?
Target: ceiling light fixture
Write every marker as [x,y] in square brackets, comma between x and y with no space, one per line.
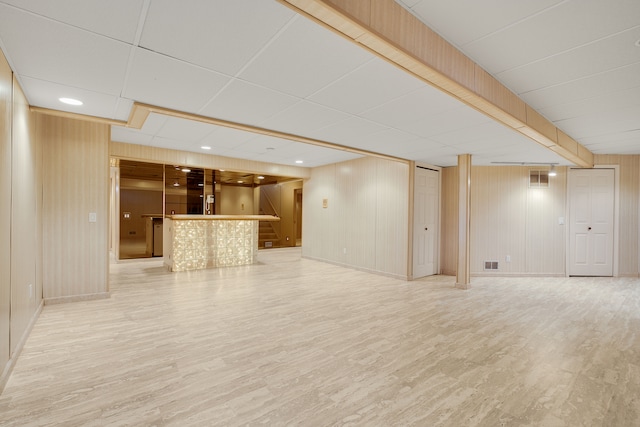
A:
[70,101]
[186,170]
[638,43]
[299,162]
[176,184]
[260,177]
[240,182]
[206,147]
[552,171]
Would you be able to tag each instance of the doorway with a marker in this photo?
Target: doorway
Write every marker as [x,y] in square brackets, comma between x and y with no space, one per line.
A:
[425,222]
[591,222]
[297,216]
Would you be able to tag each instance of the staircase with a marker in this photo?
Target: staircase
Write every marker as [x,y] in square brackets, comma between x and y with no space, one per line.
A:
[267,237]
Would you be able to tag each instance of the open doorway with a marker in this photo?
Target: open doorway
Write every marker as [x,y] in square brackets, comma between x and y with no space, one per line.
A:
[297,216]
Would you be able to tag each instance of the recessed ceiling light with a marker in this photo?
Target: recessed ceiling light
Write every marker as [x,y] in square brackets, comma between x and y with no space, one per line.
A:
[261,177]
[187,170]
[638,43]
[200,184]
[175,184]
[70,101]
[206,147]
[240,182]
[221,170]
[299,162]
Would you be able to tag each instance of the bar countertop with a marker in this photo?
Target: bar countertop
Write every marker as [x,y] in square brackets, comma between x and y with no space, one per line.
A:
[224,217]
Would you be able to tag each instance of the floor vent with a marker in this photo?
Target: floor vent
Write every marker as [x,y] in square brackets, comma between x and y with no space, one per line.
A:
[491,265]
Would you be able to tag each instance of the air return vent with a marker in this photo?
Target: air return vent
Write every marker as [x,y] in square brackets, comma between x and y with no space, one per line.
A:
[490,265]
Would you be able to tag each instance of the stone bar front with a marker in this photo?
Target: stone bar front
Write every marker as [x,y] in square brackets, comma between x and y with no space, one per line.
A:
[193,242]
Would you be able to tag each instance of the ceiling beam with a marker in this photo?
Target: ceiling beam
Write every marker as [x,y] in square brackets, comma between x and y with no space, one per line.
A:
[390,31]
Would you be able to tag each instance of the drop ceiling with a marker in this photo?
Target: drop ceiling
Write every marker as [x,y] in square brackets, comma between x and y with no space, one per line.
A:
[258,63]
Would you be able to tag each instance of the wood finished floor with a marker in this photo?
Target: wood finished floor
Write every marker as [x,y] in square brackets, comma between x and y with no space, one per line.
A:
[291,341]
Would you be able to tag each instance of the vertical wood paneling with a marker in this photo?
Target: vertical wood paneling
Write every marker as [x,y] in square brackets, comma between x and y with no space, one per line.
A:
[365,223]
[5,210]
[449,221]
[392,218]
[465,180]
[629,210]
[23,219]
[76,182]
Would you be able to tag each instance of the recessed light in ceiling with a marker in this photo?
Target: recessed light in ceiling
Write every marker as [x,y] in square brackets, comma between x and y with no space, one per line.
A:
[175,184]
[240,182]
[638,43]
[187,170]
[299,162]
[261,177]
[206,147]
[200,184]
[70,101]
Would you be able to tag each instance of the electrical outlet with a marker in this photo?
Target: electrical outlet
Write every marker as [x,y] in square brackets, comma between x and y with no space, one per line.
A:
[508,258]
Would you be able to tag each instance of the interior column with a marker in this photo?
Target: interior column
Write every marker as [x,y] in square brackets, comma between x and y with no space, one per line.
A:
[464,205]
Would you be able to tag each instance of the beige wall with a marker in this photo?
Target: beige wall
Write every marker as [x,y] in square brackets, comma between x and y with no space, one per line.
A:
[236,200]
[138,203]
[508,218]
[20,221]
[76,183]
[449,221]
[629,215]
[366,222]
[5,214]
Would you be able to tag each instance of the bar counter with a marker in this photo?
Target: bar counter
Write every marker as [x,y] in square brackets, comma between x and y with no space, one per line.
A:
[192,242]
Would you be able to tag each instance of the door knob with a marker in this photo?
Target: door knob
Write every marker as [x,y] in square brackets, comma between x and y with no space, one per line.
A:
[589,228]
[426,228]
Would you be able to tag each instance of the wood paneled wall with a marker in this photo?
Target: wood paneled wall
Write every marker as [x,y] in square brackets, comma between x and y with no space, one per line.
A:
[24,298]
[628,237]
[365,223]
[449,221]
[6,77]
[20,226]
[508,219]
[76,183]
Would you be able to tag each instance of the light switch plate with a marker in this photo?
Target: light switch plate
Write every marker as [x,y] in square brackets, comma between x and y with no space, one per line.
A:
[93,217]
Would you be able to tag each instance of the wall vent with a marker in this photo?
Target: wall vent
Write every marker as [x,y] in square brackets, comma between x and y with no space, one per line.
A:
[539,179]
[268,244]
[491,265]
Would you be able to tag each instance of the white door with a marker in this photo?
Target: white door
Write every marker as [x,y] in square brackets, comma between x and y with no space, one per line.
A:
[425,222]
[591,207]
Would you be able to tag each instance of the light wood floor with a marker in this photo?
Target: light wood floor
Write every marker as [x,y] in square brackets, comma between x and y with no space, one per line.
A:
[296,342]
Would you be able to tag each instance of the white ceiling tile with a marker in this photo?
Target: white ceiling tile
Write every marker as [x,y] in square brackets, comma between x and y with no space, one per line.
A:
[46,94]
[130,136]
[444,122]
[185,130]
[623,138]
[569,25]
[348,131]
[602,123]
[376,82]
[154,123]
[46,50]
[219,35]
[413,106]
[264,144]
[462,21]
[247,103]
[303,59]
[117,19]
[166,82]
[226,138]
[303,118]
[605,55]
[588,87]
[123,109]
[599,104]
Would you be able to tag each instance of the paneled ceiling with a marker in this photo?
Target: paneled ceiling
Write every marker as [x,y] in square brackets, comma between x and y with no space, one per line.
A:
[258,63]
